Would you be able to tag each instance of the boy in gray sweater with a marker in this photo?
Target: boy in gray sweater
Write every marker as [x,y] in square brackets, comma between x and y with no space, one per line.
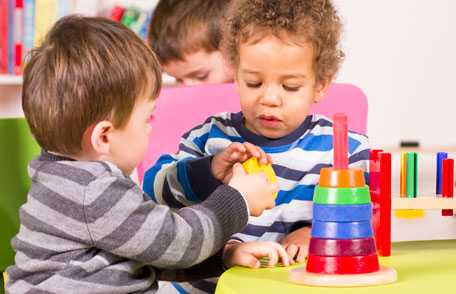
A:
[88,96]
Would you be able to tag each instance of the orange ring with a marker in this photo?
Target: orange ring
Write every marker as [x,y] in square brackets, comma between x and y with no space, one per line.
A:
[341,178]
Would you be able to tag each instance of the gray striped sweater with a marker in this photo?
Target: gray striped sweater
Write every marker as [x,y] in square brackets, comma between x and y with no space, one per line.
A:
[87,228]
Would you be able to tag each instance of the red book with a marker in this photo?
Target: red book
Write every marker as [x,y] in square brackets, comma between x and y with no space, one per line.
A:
[3,36]
[18,35]
[117,13]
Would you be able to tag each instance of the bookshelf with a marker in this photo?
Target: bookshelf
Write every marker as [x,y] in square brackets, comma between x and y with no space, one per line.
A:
[10,85]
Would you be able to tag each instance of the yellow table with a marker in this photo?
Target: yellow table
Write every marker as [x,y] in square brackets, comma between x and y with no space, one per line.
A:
[423,267]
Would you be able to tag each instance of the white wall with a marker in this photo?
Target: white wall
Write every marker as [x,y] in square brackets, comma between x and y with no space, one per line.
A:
[402,53]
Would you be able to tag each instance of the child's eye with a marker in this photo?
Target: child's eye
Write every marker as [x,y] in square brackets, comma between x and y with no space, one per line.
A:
[253,85]
[291,88]
[202,77]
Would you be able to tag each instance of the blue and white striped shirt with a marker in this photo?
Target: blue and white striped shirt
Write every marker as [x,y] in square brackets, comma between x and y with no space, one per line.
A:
[179,180]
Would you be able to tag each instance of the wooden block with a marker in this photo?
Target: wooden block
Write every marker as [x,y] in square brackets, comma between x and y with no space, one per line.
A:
[341,196]
[438,173]
[384,275]
[335,247]
[384,231]
[409,213]
[334,230]
[411,175]
[403,181]
[381,203]
[342,213]
[447,183]
[342,264]
[252,165]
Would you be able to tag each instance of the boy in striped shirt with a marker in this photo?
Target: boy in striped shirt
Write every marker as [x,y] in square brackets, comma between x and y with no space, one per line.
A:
[285,55]
[86,227]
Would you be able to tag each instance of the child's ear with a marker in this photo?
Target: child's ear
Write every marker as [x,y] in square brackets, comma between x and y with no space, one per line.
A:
[321,87]
[100,138]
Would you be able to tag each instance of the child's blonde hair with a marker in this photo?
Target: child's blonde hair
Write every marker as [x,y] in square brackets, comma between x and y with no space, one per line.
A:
[314,21]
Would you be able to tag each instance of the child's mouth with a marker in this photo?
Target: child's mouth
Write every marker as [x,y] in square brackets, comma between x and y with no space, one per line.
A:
[269,121]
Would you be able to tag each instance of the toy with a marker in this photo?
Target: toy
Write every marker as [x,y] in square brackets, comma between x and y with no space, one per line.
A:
[342,248]
[383,202]
[252,165]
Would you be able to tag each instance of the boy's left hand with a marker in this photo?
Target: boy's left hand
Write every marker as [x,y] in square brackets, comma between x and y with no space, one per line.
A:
[297,244]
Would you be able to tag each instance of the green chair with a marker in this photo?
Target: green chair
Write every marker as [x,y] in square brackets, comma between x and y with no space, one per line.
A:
[17,148]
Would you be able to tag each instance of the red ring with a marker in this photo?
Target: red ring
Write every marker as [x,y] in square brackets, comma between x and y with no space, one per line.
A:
[342,264]
[342,247]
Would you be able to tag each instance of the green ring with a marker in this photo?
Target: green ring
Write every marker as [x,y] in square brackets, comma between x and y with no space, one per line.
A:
[358,195]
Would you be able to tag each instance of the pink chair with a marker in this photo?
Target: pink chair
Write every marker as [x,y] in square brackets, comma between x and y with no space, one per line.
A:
[182,108]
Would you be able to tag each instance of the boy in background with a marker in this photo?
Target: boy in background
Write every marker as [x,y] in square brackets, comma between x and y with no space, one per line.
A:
[285,53]
[88,95]
[186,37]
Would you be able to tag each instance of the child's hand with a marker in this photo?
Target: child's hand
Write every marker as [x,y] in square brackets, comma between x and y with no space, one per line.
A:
[258,192]
[248,254]
[222,163]
[297,244]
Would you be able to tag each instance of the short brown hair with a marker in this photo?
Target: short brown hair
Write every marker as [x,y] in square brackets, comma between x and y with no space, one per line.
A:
[180,27]
[86,70]
[315,21]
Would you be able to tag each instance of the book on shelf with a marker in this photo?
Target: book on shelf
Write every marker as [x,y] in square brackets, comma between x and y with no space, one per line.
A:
[25,23]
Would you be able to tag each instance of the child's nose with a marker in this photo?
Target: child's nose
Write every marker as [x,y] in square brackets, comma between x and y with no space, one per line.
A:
[271,97]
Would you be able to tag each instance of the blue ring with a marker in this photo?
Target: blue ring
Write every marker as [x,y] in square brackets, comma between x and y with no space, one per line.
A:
[335,230]
[342,213]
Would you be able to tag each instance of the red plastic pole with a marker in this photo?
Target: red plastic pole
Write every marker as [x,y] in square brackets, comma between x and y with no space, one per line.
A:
[340,141]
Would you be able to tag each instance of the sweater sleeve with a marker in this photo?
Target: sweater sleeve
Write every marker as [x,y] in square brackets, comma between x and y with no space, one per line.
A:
[120,219]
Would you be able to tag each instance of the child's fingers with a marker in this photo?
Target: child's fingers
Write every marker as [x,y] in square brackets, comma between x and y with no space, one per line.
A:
[273,256]
[302,253]
[282,254]
[248,260]
[237,147]
[292,250]
[253,150]
[234,156]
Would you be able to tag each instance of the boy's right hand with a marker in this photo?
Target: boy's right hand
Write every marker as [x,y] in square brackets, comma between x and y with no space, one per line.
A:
[222,163]
[248,254]
[258,192]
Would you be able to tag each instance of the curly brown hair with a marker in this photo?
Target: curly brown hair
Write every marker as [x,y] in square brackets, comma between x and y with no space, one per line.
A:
[314,21]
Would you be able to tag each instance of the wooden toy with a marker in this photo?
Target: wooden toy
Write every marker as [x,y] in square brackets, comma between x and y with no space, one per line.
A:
[252,165]
[383,202]
[342,250]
